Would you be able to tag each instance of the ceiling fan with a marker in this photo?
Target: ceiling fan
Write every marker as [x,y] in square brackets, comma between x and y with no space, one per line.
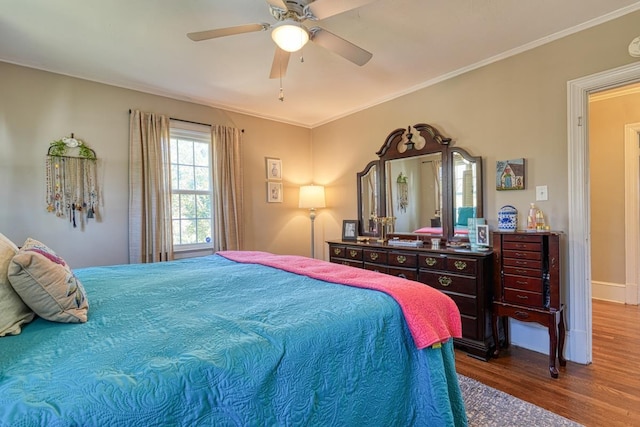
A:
[290,34]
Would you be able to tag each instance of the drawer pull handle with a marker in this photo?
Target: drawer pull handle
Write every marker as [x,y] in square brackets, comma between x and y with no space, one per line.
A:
[373,256]
[460,265]
[430,261]
[522,297]
[522,314]
[402,275]
[521,262]
[401,259]
[353,253]
[522,282]
[520,254]
[521,271]
[521,245]
[336,251]
[444,280]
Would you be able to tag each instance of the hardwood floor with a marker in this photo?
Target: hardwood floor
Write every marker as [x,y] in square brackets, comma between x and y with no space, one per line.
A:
[604,393]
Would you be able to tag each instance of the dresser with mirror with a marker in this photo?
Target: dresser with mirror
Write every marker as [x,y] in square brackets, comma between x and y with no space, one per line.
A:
[423,188]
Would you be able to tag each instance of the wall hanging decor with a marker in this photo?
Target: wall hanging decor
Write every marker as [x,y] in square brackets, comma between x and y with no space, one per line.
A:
[403,192]
[71,180]
[274,168]
[510,174]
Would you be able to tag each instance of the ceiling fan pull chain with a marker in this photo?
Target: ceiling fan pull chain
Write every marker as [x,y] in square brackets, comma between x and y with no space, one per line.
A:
[281,94]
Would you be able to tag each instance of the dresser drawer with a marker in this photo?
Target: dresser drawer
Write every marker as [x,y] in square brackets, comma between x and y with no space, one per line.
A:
[519,271]
[375,256]
[337,251]
[376,267]
[523,263]
[532,284]
[401,259]
[526,238]
[467,305]
[353,253]
[432,261]
[535,256]
[516,296]
[405,273]
[462,265]
[350,263]
[523,246]
[448,282]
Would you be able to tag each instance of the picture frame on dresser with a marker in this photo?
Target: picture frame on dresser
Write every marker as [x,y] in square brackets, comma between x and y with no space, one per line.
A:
[482,234]
[350,230]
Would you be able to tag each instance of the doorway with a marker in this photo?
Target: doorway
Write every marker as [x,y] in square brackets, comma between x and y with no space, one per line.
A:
[579,265]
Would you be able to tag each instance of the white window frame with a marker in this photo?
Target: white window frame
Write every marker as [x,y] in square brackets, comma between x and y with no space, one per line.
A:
[202,134]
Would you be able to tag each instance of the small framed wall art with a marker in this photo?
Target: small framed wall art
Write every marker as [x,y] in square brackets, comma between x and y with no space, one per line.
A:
[510,174]
[274,192]
[274,168]
[350,229]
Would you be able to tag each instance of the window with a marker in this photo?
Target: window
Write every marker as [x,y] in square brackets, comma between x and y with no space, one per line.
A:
[191,187]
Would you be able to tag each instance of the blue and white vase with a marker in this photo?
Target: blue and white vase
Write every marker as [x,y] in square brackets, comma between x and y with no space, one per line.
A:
[507,218]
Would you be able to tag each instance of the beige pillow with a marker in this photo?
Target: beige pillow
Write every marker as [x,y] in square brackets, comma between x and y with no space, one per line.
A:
[13,311]
[47,285]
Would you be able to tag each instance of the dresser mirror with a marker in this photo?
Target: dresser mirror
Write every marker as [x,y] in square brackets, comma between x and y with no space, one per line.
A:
[429,187]
[369,198]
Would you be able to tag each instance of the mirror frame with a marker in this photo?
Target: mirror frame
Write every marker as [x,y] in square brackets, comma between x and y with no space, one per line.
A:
[362,221]
[434,143]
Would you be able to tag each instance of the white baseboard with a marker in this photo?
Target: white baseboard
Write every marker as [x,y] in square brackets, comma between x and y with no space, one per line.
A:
[606,291]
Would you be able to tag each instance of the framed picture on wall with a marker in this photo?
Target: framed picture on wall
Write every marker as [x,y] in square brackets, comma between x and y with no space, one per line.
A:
[274,168]
[350,229]
[274,192]
[510,174]
[482,234]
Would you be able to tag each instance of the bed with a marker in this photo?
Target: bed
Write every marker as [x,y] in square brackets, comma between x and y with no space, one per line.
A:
[238,339]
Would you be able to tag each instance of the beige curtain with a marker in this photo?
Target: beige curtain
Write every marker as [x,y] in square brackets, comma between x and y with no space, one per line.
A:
[150,234]
[227,184]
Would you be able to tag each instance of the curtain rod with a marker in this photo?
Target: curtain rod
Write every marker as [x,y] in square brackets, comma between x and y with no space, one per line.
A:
[192,122]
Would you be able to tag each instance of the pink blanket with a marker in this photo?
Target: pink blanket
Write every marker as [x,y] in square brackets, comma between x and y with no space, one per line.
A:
[432,316]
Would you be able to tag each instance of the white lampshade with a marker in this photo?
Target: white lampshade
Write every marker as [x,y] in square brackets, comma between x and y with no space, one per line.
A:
[290,35]
[312,196]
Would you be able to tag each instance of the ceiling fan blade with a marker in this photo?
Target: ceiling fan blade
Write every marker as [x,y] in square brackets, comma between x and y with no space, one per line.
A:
[280,4]
[229,31]
[322,9]
[342,47]
[280,63]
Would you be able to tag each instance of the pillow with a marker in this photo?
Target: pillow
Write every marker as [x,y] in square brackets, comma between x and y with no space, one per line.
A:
[464,213]
[47,285]
[13,311]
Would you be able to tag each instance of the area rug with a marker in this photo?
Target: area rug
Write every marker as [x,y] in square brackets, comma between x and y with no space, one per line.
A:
[488,407]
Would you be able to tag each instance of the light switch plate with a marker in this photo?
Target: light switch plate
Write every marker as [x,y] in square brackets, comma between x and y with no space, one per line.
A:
[542,193]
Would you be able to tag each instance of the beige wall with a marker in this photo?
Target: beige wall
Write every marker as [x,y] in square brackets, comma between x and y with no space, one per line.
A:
[607,120]
[37,107]
[513,108]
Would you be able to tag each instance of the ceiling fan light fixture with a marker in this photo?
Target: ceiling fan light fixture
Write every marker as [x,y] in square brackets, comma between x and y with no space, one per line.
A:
[290,36]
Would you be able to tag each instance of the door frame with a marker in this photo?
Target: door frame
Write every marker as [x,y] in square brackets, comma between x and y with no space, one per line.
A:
[632,211]
[579,237]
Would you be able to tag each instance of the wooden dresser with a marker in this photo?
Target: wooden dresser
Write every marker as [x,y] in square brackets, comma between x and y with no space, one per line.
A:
[527,286]
[464,275]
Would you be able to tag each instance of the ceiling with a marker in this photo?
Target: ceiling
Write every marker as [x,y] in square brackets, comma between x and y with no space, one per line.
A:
[142,45]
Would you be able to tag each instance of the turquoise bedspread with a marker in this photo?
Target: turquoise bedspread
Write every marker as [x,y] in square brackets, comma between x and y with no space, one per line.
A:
[210,342]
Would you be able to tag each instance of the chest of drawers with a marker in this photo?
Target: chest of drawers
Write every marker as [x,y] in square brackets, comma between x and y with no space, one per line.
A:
[527,286]
[463,275]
